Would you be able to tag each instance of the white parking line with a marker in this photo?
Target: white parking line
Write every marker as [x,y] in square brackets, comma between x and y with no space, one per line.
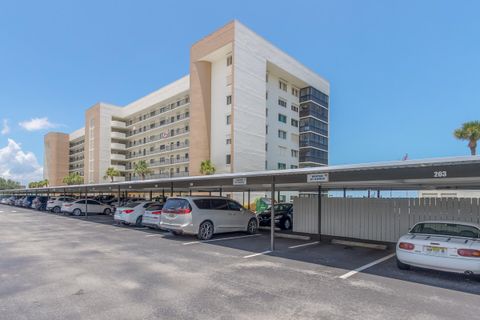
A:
[304,245]
[14,211]
[152,235]
[257,254]
[371,264]
[222,239]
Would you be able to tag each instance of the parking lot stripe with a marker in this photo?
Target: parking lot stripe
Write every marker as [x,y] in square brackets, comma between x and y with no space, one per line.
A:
[304,245]
[371,264]
[152,235]
[220,239]
[257,254]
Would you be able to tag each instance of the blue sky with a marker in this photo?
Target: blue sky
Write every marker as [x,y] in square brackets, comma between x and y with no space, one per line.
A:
[403,74]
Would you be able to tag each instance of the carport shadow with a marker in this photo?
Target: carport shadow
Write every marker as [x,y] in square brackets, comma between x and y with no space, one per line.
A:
[345,259]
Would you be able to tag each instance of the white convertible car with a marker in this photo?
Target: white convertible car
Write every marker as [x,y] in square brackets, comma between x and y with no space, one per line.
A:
[450,246]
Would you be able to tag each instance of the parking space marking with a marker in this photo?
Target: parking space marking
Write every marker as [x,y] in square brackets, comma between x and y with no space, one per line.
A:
[220,239]
[257,254]
[152,235]
[14,211]
[371,264]
[304,245]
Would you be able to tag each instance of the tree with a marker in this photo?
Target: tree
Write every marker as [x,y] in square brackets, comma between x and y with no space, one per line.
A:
[141,168]
[469,131]
[111,173]
[207,167]
[73,179]
[9,184]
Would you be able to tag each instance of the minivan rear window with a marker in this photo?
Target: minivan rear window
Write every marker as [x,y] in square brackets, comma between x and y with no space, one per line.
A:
[203,204]
[175,204]
[447,229]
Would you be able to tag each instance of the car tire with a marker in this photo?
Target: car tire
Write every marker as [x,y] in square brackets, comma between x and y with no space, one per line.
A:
[138,222]
[56,209]
[205,231]
[252,226]
[77,212]
[286,224]
[175,233]
[107,212]
[402,266]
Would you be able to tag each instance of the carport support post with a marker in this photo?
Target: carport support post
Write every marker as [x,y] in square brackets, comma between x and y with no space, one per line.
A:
[151,195]
[171,189]
[86,202]
[248,199]
[320,212]
[118,199]
[272,218]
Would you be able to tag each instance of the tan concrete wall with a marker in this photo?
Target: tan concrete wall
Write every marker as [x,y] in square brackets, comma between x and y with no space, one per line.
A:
[56,146]
[92,113]
[200,94]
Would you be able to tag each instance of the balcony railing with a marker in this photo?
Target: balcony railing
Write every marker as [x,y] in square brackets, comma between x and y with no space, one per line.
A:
[158,137]
[159,163]
[71,153]
[159,176]
[161,111]
[161,124]
[156,151]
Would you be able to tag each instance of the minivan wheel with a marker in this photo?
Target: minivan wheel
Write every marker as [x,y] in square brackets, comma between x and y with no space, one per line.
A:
[77,212]
[252,226]
[56,209]
[402,266]
[138,223]
[205,231]
[107,211]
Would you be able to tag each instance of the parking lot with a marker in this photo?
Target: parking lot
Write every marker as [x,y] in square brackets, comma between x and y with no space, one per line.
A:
[61,267]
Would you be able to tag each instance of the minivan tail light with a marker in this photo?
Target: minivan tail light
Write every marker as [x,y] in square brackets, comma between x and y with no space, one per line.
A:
[68,205]
[469,253]
[406,246]
[183,211]
[156,212]
[128,211]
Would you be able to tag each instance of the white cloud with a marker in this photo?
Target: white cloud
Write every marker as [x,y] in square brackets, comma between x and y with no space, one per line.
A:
[5,129]
[19,165]
[37,124]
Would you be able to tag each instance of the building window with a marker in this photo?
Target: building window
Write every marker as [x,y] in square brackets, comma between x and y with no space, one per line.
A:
[281,166]
[229,100]
[293,166]
[266,95]
[294,108]
[266,77]
[266,146]
[282,85]
[295,92]
[266,129]
[228,119]
[229,141]
[294,123]
[229,60]
[294,153]
[228,159]
[282,102]
[282,118]
[282,134]
[266,112]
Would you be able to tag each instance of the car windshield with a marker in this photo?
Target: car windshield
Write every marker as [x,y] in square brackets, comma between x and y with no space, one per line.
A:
[446,229]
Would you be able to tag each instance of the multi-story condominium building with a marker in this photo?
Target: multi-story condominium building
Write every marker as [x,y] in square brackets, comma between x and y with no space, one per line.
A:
[246,106]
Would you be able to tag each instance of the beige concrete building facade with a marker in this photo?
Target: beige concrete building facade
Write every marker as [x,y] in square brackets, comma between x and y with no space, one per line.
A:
[245,105]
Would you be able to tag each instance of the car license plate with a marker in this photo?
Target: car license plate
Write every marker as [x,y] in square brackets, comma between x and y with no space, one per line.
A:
[171,215]
[435,250]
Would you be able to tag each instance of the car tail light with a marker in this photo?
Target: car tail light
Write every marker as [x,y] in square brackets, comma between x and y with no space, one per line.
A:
[155,212]
[67,205]
[469,253]
[406,246]
[128,211]
[177,211]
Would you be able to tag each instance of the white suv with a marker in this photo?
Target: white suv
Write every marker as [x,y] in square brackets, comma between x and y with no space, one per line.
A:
[55,204]
[205,216]
[79,207]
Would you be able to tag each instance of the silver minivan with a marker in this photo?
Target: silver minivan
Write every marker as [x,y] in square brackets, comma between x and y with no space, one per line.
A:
[205,216]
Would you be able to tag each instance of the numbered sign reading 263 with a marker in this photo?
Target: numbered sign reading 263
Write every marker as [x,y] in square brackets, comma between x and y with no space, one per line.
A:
[439,174]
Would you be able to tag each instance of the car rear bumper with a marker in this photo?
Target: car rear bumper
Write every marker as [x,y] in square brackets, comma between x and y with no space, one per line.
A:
[448,264]
[182,228]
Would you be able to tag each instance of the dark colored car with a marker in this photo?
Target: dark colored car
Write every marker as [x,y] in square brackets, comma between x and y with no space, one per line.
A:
[283,216]
[40,203]
[27,201]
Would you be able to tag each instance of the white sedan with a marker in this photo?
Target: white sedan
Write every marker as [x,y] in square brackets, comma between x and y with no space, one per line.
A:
[450,246]
[132,212]
[79,207]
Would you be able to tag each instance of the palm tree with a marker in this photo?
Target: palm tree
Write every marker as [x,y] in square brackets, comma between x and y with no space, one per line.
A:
[207,167]
[141,168]
[73,179]
[111,173]
[469,131]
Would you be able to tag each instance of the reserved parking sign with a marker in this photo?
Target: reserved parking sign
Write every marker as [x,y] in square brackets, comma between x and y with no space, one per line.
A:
[317,177]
